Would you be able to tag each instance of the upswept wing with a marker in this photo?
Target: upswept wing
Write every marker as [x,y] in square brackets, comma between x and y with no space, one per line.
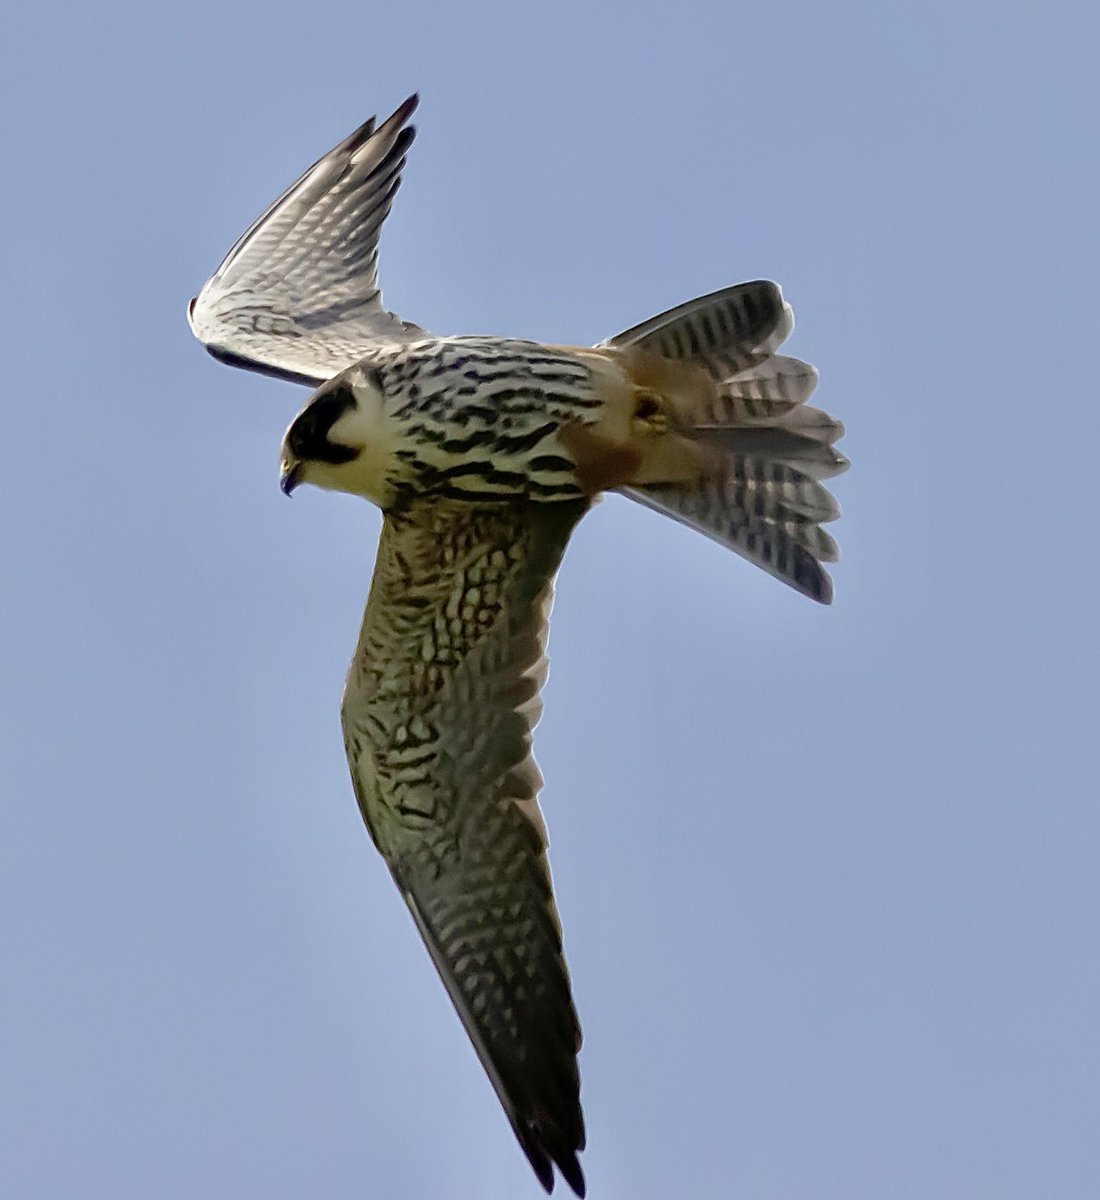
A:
[441,699]
[297,297]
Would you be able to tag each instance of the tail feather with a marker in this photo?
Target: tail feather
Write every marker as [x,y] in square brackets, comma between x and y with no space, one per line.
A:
[768,544]
[726,332]
[771,389]
[766,487]
[819,542]
[763,450]
[797,449]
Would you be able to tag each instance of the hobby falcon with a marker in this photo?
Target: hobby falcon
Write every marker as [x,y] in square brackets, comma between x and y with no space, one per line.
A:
[483,454]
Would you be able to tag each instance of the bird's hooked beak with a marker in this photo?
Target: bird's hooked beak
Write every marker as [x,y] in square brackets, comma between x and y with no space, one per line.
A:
[290,476]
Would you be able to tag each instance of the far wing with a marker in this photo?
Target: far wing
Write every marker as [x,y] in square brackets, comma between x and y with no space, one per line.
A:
[297,296]
[440,702]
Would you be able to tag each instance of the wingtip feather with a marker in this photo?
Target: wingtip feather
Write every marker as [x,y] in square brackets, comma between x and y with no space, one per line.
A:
[571,1172]
[543,1161]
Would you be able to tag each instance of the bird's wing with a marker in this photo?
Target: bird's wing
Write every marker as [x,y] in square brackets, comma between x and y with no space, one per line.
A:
[297,296]
[441,699]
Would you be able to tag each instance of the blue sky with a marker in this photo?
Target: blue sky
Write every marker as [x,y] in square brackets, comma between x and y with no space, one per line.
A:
[828,876]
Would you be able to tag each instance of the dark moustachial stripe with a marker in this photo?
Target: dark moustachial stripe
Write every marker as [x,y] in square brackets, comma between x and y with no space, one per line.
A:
[308,440]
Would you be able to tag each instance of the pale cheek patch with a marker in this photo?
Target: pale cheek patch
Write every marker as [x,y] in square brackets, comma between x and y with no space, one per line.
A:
[353,428]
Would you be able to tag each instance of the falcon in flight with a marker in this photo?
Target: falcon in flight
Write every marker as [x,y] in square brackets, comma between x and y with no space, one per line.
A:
[483,454]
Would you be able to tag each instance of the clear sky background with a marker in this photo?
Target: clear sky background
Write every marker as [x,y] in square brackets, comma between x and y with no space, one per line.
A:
[828,877]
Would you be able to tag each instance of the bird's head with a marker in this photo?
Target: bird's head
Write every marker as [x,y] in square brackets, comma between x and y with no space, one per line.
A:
[338,440]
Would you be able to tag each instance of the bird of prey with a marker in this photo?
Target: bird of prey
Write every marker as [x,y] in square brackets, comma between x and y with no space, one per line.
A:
[483,454]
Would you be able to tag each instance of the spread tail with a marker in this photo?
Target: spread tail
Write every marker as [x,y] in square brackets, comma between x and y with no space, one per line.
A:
[761,451]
